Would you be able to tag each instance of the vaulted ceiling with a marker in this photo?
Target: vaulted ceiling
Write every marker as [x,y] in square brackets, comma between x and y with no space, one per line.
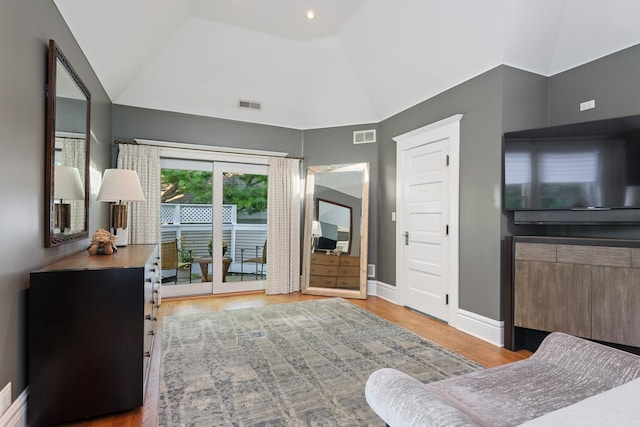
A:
[358,61]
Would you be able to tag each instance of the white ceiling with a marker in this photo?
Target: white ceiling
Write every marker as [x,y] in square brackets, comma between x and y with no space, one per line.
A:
[359,61]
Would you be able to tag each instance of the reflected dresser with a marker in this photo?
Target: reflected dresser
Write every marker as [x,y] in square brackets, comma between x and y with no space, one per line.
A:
[334,271]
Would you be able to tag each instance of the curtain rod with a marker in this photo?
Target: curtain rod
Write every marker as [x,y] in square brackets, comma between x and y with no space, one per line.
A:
[211,148]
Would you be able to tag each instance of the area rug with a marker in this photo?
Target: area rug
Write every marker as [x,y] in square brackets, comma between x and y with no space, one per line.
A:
[295,364]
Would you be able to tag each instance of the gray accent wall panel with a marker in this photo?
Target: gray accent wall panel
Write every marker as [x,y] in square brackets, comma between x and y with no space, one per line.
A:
[133,122]
[613,81]
[524,100]
[479,100]
[25,30]
[335,145]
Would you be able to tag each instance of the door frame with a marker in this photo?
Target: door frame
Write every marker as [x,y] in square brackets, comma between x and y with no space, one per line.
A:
[178,158]
[448,128]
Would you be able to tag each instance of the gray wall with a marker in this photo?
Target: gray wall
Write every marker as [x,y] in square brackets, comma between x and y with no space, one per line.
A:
[25,30]
[612,81]
[131,122]
[335,146]
[480,101]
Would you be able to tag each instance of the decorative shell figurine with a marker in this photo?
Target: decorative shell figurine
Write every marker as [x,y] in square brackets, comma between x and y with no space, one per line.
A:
[102,243]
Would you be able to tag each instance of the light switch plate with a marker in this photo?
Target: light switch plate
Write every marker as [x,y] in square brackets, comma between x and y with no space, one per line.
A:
[587,105]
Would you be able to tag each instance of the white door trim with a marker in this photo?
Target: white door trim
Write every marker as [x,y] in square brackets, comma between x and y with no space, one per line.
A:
[449,127]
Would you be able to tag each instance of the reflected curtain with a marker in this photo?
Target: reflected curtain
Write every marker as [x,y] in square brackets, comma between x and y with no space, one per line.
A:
[283,241]
[73,153]
[144,217]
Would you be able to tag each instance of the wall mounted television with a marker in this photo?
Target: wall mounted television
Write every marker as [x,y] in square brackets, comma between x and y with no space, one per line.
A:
[586,173]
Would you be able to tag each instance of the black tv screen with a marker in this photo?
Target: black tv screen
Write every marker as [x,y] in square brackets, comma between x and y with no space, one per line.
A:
[594,165]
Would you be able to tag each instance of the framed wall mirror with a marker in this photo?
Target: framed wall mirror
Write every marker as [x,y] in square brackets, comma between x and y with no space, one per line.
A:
[66,152]
[335,230]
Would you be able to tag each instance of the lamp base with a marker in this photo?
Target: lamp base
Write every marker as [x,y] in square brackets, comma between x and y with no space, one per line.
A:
[122,237]
[61,216]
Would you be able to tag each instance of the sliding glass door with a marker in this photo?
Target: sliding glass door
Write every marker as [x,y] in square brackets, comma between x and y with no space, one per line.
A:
[214,227]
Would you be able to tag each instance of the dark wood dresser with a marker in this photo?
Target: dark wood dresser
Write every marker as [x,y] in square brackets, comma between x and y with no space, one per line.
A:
[92,320]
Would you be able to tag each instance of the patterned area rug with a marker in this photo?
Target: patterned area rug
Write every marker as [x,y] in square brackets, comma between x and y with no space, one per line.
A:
[295,364]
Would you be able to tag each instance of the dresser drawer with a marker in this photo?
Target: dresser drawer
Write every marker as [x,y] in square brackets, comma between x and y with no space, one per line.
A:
[324,270]
[348,282]
[348,271]
[322,281]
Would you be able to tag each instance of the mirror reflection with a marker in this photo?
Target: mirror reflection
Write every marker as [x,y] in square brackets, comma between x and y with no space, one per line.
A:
[67,152]
[336,223]
[332,229]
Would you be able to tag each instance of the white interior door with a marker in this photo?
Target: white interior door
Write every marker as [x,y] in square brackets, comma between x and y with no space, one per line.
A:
[427,252]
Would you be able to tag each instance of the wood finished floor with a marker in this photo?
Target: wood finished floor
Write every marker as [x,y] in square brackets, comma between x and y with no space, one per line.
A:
[475,349]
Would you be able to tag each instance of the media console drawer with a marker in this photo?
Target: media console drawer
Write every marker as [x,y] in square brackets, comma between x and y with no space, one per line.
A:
[584,287]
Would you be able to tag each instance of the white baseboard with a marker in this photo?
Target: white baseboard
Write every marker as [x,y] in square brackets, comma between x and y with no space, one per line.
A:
[384,291]
[471,323]
[486,329]
[16,415]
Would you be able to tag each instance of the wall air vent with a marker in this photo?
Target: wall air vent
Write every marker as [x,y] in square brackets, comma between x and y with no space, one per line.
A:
[250,105]
[364,136]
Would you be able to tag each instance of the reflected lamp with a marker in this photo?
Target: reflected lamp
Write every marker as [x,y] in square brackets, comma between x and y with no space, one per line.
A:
[316,231]
[67,185]
[120,185]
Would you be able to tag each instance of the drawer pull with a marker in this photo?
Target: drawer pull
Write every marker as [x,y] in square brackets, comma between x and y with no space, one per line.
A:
[147,354]
[148,280]
[152,301]
[155,291]
[152,333]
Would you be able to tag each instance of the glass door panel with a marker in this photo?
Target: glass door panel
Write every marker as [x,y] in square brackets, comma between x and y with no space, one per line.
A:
[214,227]
[244,261]
[186,229]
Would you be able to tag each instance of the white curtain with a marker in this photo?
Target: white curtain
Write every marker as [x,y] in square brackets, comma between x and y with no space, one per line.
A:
[283,237]
[144,217]
[74,154]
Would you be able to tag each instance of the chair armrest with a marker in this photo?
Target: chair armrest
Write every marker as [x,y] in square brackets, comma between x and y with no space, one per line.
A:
[401,400]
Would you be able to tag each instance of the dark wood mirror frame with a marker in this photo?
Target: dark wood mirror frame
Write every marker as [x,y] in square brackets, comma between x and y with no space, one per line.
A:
[53,238]
[317,213]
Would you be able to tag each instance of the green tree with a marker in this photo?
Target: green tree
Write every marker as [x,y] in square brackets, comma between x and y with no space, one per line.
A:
[182,186]
[248,192]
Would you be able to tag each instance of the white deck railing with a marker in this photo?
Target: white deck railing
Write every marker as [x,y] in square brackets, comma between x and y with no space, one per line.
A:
[192,223]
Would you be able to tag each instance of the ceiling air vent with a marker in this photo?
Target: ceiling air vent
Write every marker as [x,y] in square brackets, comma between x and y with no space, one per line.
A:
[364,136]
[251,105]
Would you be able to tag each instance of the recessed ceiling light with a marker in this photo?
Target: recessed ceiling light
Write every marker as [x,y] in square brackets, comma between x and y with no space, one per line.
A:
[310,15]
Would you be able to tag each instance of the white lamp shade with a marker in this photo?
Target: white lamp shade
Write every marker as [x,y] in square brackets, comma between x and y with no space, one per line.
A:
[316,229]
[67,184]
[120,185]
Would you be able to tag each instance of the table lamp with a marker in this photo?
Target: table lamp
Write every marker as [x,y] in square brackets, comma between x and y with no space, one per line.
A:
[316,231]
[120,185]
[67,185]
